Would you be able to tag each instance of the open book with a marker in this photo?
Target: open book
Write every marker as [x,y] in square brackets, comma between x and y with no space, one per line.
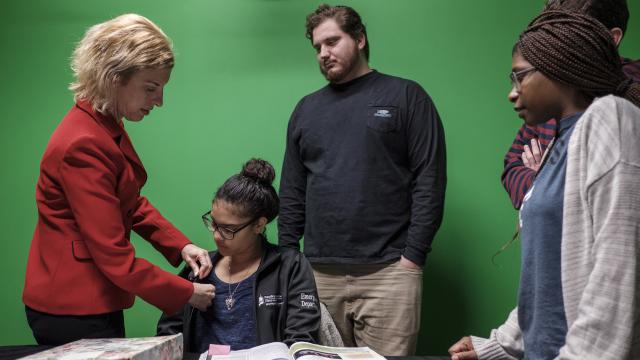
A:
[298,351]
[149,348]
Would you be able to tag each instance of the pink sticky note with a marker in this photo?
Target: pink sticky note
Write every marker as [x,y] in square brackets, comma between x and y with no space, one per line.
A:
[215,349]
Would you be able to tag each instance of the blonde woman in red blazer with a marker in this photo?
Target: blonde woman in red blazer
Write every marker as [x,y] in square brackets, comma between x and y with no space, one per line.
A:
[82,269]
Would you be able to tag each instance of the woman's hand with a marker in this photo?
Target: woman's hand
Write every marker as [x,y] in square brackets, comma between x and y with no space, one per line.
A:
[203,295]
[463,350]
[532,155]
[198,259]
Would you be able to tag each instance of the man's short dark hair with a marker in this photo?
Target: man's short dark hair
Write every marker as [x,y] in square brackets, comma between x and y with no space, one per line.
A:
[611,13]
[347,18]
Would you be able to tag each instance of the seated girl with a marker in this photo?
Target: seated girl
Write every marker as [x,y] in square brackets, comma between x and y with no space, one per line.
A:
[262,294]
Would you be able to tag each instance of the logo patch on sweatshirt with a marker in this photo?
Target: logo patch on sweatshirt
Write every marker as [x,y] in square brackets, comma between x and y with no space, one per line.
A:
[384,113]
[270,300]
[308,301]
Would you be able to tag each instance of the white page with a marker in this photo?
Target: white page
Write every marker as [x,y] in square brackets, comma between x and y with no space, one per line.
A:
[308,351]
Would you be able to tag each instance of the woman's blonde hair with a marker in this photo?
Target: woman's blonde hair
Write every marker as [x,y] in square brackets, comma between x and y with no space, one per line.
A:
[110,52]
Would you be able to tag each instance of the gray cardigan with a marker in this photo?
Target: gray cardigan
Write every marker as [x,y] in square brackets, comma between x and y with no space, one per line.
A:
[600,242]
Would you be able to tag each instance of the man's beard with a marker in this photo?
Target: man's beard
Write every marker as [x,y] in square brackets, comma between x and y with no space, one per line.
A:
[347,68]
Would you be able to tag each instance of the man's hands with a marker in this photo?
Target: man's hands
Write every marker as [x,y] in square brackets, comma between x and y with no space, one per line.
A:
[532,155]
[463,350]
[198,259]
[408,263]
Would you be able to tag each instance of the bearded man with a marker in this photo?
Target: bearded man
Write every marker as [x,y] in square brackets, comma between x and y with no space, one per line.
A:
[363,182]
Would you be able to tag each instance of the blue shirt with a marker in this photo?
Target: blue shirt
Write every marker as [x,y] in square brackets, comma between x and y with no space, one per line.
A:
[540,304]
[219,325]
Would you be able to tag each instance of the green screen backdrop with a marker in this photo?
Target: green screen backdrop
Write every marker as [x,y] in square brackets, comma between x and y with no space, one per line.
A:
[241,66]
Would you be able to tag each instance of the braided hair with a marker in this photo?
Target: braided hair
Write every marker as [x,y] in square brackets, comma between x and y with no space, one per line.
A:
[578,51]
[611,13]
[252,191]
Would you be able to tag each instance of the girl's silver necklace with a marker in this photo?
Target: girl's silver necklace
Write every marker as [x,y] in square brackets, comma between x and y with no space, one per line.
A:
[229,301]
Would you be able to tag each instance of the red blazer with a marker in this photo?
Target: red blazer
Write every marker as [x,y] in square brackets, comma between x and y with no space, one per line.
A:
[81,260]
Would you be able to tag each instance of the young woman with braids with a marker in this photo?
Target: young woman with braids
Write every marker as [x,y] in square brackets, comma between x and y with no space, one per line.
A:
[263,294]
[522,160]
[580,221]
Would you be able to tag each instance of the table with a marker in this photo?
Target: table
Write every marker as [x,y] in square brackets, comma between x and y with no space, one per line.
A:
[14,352]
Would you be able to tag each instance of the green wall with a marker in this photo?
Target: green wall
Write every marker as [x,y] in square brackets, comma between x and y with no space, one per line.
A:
[241,66]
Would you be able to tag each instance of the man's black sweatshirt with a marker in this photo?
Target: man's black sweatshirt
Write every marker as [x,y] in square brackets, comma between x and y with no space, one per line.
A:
[364,173]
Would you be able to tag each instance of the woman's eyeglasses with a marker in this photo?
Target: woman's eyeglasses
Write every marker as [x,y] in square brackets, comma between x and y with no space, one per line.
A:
[224,231]
[518,76]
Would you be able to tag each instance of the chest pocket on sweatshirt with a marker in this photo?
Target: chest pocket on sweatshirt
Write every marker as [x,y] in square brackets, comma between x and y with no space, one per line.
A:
[385,137]
[383,119]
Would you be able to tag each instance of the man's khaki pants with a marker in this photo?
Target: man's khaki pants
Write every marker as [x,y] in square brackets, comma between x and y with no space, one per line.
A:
[373,305]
